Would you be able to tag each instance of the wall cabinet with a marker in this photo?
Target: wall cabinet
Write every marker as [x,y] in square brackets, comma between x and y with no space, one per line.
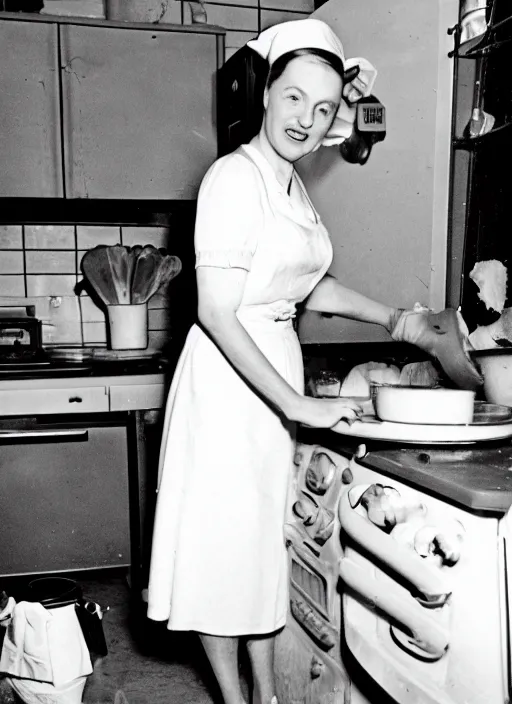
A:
[30,142]
[111,111]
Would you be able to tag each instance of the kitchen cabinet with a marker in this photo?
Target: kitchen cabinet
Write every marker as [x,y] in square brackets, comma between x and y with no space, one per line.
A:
[138,109]
[75,450]
[122,111]
[64,499]
[30,138]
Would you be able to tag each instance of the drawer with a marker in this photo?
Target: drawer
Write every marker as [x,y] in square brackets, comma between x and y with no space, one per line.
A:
[86,399]
[132,397]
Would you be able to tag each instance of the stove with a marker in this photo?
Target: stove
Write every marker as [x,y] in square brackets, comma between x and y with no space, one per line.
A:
[399,564]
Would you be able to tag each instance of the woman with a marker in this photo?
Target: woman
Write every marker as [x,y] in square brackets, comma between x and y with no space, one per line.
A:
[219,562]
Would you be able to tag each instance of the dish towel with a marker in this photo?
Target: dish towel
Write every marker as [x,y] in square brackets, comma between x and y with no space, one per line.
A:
[45,645]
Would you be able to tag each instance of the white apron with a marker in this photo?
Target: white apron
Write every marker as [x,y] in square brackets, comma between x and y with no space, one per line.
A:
[218,561]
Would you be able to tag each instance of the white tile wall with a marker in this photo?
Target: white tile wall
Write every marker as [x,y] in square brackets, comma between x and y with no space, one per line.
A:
[48,268]
[11,262]
[12,285]
[11,237]
[49,237]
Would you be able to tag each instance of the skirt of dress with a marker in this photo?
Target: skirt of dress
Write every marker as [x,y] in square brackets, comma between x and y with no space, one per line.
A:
[218,562]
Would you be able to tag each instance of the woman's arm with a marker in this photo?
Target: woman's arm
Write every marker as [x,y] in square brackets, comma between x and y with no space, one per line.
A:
[329,296]
[220,293]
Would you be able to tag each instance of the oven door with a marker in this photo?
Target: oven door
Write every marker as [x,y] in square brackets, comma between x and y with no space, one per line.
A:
[64,500]
[425,628]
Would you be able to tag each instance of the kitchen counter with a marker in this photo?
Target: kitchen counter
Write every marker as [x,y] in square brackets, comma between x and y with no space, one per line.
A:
[477,477]
[82,394]
[65,418]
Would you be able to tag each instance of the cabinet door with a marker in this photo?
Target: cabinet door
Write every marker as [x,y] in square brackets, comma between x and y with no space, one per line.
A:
[65,504]
[138,112]
[30,143]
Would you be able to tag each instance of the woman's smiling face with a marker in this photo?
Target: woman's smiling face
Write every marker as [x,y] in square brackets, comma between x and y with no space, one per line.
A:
[300,106]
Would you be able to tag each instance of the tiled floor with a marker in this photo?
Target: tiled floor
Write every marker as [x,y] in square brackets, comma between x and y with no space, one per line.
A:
[146,664]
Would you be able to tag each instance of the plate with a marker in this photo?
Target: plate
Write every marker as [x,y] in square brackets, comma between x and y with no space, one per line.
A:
[490,422]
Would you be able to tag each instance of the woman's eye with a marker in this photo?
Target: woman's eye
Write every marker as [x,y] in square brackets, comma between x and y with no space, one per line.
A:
[326,112]
[293,98]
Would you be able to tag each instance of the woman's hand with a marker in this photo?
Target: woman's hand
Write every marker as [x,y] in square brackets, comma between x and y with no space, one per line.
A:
[325,412]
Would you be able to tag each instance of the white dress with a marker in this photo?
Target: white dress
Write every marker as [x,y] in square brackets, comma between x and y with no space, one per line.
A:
[218,562]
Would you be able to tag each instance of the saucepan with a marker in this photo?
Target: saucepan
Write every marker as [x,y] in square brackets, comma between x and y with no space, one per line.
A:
[423,405]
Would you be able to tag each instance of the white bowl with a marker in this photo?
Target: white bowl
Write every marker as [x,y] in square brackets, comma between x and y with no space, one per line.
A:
[423,405]
[496,368]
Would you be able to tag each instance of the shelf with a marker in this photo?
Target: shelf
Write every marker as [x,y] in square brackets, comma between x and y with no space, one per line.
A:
[481,46]
[474,142]
[477,52]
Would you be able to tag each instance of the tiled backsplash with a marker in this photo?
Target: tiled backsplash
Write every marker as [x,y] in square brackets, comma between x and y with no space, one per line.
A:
[40,265]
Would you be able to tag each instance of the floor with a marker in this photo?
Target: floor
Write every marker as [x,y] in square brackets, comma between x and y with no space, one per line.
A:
[146,663]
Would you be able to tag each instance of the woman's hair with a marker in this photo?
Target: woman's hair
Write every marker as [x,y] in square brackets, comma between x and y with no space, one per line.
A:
[282,62]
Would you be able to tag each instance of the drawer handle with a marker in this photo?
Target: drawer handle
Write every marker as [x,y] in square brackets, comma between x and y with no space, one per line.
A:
[75,399]
[64,434]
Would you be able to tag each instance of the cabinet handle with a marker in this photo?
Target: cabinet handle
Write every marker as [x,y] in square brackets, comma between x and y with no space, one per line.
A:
[64,434]
[75,399]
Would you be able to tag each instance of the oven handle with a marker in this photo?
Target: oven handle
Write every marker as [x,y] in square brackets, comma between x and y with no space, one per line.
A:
[395,601]
[29,434]
[431,585]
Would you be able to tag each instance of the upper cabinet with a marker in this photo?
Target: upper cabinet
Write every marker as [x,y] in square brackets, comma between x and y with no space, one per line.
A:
[121,111]
[30,137]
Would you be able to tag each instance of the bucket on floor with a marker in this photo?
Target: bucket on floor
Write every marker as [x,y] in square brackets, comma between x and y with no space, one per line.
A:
[128,325]
[55,592]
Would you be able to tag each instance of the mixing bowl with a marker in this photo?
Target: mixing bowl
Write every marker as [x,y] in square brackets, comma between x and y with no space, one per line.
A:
[496,368]
[424,405]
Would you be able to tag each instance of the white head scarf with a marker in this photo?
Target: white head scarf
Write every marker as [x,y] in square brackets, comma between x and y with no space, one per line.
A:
[315,34]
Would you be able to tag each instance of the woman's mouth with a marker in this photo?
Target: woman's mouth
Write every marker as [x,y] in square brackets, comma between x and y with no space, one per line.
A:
[296,136]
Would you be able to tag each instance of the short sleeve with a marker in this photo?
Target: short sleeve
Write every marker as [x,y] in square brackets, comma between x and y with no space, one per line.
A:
[229,214]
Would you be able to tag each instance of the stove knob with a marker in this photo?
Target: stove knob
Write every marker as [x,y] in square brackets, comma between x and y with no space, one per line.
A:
[298,458]
[306,510]
[317,667]
[324,526]
[320,473]
[346,476]
[360,452]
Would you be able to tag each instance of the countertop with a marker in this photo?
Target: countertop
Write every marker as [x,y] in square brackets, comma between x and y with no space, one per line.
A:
[88,388]
[477,477]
